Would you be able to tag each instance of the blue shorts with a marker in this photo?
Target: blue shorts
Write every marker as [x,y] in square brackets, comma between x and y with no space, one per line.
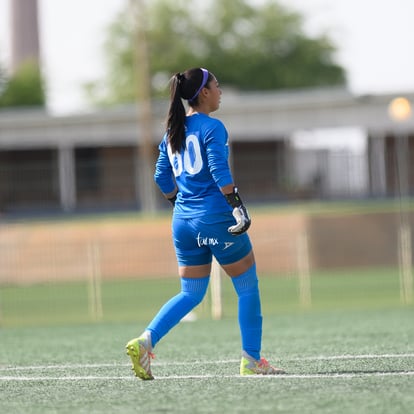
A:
[196,240]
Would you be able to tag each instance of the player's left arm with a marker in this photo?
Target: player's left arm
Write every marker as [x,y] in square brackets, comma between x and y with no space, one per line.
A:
[217,154]
[240,213]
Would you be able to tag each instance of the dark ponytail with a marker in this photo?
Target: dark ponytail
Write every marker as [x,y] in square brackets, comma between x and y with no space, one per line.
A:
[186,86]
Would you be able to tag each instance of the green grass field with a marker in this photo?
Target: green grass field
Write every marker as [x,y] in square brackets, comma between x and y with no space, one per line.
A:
[351,352]
[137,299]
[341,361]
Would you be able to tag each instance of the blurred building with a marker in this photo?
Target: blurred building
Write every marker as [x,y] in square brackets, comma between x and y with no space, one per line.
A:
[24,32]
[89,161]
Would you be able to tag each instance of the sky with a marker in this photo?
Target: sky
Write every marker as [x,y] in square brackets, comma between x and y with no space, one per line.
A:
[374,40]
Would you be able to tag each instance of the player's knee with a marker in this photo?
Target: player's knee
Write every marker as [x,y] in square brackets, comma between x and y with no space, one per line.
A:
[247,282]
[195,289]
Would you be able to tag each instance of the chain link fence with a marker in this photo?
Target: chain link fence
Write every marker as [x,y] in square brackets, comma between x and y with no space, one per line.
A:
[45,264]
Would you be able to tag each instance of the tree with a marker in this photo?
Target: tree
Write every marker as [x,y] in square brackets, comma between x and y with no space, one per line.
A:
[249,48]
[265,48]
[24,88]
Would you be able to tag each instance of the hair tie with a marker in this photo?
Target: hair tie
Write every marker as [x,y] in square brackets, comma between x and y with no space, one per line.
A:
[180,77]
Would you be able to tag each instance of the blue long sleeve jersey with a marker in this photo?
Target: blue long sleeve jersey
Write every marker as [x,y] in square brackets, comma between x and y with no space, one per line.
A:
[199,170]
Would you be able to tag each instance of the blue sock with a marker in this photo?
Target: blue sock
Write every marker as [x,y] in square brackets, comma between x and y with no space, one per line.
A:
[250,315]
[192,293]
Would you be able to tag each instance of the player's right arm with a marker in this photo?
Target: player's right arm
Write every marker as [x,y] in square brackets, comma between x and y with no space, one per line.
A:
[164,176]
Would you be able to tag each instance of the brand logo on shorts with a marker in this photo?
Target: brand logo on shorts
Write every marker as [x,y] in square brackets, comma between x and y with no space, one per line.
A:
[206,241]
[211,241]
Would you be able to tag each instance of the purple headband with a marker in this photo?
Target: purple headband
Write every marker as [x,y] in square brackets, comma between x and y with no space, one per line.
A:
[203,83]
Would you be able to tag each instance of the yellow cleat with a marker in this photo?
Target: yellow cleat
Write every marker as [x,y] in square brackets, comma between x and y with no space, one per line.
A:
[140,357]
[250,366]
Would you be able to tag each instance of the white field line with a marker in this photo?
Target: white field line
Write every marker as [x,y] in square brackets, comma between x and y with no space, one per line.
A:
[197,362]
[210,376]
[344,375]
[344,357]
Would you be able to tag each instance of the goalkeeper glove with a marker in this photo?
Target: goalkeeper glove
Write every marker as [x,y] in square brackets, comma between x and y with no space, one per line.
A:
[240,213]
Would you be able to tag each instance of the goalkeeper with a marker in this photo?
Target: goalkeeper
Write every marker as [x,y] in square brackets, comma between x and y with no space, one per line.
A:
[209,219]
